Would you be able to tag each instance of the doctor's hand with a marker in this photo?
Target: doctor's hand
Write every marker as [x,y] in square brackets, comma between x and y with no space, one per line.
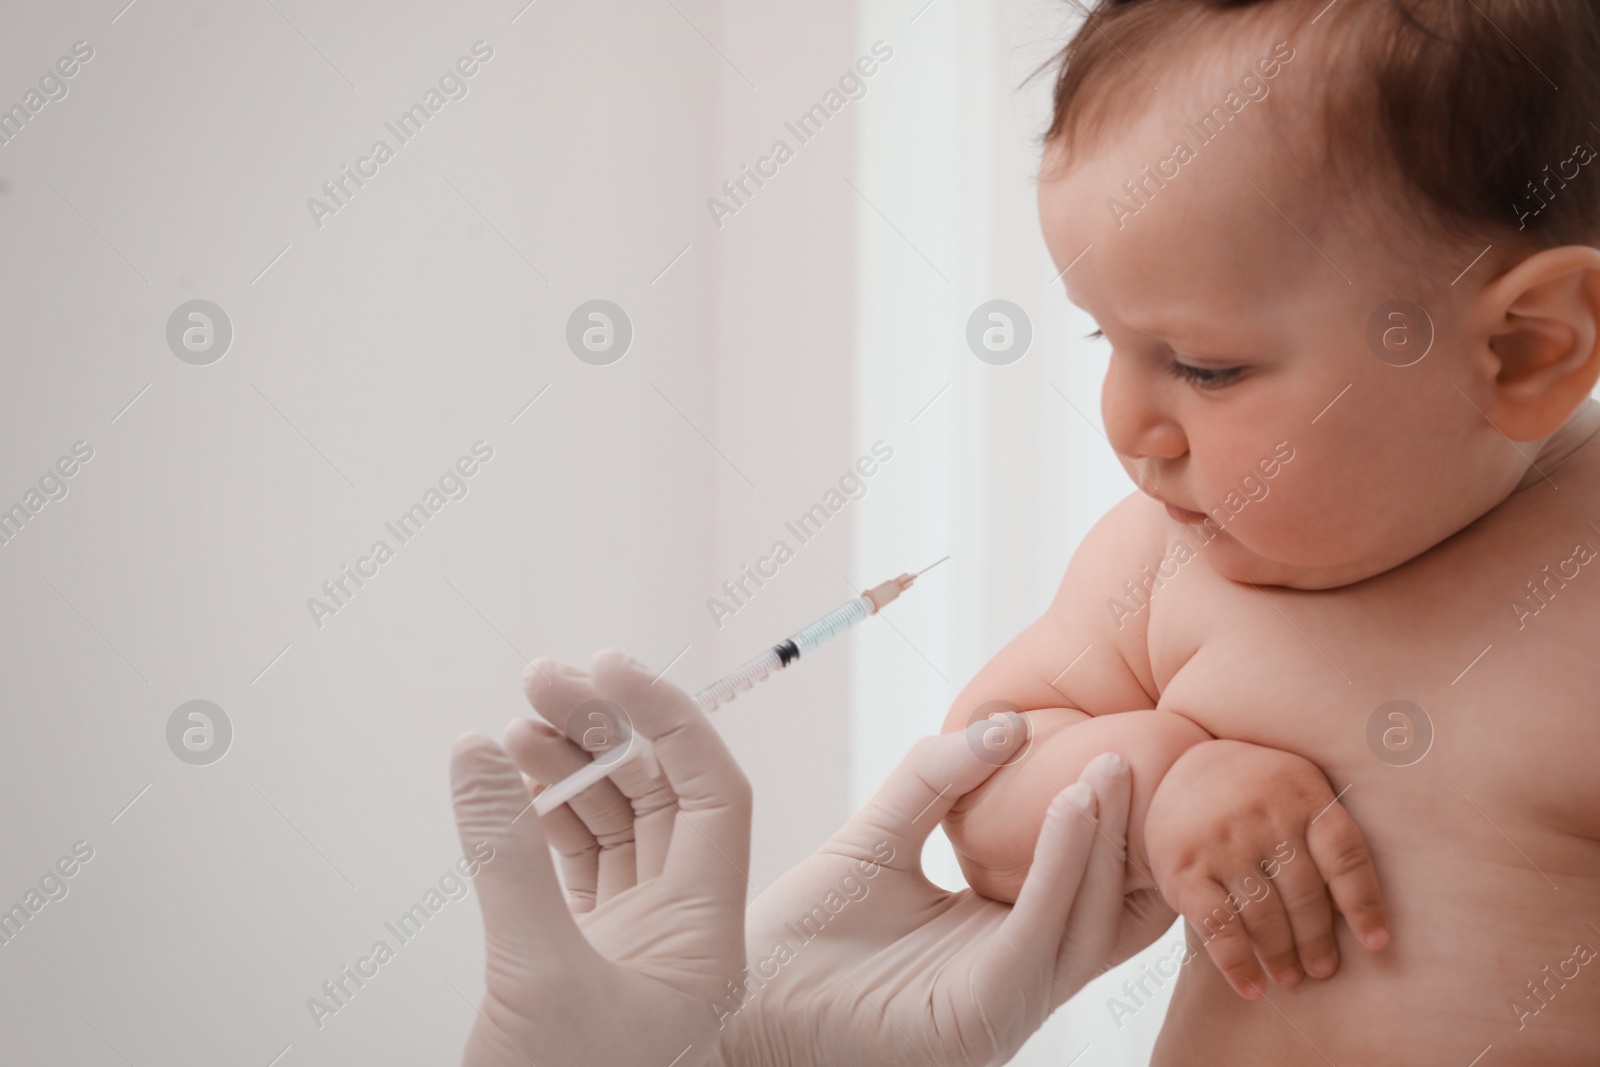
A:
[621,970]
[856,958]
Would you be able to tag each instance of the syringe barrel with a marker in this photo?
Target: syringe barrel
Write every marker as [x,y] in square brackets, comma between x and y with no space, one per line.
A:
[725,689]
[831,625]
[720,692]
[776,658]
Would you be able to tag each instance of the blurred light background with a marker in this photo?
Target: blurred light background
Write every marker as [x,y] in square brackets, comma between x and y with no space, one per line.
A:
[375,345]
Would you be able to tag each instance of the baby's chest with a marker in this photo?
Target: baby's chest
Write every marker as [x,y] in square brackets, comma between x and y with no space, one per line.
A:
[1265,666]
[1460,673]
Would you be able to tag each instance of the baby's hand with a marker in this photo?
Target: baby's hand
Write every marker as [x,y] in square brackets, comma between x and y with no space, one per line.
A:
[1232,821]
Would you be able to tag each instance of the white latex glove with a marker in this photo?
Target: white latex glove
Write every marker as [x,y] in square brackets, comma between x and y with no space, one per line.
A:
[893,970]
[659,896]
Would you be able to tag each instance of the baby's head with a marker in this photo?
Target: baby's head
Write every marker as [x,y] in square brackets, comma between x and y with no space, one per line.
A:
[1362,231]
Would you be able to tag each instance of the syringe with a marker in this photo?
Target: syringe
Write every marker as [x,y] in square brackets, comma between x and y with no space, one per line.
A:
[750,674]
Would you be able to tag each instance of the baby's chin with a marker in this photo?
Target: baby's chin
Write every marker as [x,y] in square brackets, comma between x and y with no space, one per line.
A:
[1252,565]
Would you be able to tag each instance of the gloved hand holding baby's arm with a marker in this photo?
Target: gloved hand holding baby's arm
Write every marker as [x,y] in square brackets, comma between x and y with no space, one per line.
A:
[856,958]
[993,828]
[1249,845]
[1244,842]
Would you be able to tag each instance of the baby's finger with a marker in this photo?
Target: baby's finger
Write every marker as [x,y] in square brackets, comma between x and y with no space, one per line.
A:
[1267,923]
[1341,855]
[1310,915]
[1204,905]
[545,756]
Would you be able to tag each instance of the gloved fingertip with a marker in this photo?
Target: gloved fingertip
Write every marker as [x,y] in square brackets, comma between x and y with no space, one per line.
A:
[467,740]
[1110,764]
[1079,797]
[612,660]
[476,757]
[997,738]
[542,673]
[473,749]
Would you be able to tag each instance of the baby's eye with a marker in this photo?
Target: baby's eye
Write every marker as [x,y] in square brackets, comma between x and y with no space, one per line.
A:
[1093,336]
[1206,377]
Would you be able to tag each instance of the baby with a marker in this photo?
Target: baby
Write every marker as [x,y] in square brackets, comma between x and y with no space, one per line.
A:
[1343,253]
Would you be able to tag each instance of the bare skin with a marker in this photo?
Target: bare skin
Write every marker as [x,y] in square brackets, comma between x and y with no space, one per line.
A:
[1384,561]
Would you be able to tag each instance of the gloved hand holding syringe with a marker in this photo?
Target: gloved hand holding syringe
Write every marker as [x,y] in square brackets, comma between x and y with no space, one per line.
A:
[726,688]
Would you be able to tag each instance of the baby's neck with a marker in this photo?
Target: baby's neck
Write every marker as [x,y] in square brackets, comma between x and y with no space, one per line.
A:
[1559,446]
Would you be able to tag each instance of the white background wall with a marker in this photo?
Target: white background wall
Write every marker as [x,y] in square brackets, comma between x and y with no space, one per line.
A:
[424,316]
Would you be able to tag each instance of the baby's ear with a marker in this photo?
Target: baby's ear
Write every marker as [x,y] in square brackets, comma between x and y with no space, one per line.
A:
[1540,340]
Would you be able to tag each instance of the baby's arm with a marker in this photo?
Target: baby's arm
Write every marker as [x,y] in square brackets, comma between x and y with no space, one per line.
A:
[1080,674]
[994,828]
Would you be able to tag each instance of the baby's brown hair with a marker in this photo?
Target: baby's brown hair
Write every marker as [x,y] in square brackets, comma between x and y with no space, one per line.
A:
[1480,108]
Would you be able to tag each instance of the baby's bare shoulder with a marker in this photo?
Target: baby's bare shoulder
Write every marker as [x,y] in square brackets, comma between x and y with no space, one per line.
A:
[1126,538]
[1080,653]
[1130,539]
[1543,538]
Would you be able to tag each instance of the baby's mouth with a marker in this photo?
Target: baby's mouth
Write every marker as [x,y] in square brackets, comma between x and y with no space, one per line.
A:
[1178,514]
